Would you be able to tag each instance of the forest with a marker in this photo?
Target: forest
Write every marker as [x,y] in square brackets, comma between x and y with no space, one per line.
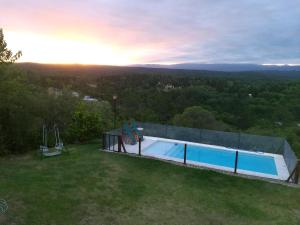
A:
[32,95]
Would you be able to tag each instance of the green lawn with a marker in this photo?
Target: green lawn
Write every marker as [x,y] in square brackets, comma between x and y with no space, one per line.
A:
[92,187]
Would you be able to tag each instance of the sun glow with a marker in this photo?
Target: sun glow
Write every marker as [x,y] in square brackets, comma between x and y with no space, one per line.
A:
[68,50]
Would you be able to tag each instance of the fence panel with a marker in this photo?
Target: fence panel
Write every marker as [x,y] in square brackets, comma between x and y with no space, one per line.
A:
[110,142]
[248,142]
[289,157]
[258,143]
[155,130]
[233,140]
[226,139]
[183,133]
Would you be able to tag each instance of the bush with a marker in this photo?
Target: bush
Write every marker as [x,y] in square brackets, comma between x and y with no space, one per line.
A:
[89,120]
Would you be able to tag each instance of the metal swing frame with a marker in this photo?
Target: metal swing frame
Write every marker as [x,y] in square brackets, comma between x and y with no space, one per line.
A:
[58,148]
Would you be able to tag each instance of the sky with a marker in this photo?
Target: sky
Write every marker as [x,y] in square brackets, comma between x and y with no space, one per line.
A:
[123,32]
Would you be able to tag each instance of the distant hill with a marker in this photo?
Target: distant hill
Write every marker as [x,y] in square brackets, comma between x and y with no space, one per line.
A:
[224,67]
[74,70]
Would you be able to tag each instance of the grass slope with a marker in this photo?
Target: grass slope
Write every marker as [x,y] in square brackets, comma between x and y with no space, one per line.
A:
[92,187]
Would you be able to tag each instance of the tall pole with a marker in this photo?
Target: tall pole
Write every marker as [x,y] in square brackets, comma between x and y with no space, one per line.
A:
[236,161]
[140,147]
[297,173]
[184,157]
[115,97]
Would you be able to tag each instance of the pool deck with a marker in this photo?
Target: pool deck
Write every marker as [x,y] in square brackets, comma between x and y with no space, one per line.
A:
[281,167]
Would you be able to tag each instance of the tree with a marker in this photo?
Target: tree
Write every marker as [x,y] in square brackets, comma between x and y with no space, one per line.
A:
[6,55]
[197,117]
[15,99]
[90,119]
[19,124]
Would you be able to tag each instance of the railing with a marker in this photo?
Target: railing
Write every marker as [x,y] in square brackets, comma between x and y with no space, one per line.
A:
[112,141]
[249,142]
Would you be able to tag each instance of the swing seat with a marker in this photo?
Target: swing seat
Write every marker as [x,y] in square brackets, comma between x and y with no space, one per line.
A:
[54,153]
[47,153]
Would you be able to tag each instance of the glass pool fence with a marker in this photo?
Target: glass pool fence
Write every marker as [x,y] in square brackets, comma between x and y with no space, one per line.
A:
[253,143]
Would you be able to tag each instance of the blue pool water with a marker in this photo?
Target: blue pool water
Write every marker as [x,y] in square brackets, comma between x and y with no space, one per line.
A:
[215,156]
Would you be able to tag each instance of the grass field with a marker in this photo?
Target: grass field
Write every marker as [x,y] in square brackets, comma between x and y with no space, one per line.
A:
[93,187]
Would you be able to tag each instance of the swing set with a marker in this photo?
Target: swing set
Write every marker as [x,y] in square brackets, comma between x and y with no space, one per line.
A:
[47,151]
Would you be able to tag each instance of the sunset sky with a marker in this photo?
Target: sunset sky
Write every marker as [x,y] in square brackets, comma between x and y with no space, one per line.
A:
[119,32]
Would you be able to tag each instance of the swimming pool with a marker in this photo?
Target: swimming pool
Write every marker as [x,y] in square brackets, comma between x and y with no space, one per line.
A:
[225,158]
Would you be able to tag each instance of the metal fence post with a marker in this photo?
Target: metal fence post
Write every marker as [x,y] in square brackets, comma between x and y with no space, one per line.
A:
[296,181]
[119,143]
[184,162]
[140,146]
[236,161]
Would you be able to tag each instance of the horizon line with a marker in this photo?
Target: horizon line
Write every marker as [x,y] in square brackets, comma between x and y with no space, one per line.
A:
[163,64]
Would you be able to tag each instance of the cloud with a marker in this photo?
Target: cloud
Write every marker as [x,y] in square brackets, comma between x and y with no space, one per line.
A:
[220,31]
